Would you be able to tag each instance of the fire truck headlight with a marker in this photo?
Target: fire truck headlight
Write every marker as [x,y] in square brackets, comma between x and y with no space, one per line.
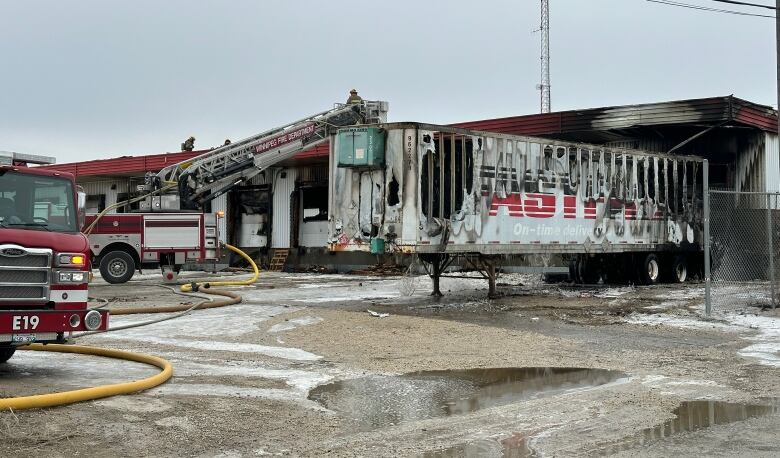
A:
[71,260]
[92,320]
[78,277]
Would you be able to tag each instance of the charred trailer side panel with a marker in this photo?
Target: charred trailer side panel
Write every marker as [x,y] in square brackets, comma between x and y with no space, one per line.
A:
[449,191]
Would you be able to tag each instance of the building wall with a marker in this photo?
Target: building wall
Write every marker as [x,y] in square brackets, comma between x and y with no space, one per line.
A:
[221,204]
[772,161]
[283,188]
[104,187]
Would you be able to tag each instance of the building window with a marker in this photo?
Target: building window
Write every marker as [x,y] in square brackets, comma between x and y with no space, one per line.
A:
[96,203]
[314,202]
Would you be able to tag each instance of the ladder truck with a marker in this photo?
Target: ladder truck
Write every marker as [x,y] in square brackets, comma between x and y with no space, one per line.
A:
[44,258]
[172,229]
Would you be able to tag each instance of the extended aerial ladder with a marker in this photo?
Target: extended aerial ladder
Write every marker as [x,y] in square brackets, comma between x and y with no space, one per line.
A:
[208,176]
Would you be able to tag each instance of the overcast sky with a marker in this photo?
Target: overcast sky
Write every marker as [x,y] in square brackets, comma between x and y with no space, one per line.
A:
[88,79]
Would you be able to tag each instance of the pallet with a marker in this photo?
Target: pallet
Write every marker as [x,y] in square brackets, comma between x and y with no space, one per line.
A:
[278,260]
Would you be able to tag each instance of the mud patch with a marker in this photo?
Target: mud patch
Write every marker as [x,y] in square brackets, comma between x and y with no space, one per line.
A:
[381,401]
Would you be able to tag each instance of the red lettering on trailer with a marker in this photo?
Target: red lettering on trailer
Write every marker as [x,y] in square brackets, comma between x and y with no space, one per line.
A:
[533,205]
[569,206]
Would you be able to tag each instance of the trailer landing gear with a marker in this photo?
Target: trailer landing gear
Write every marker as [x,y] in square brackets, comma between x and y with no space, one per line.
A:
[485,265]
[438,263]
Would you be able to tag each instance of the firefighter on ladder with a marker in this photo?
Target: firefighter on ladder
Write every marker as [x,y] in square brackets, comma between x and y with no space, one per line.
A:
[354,97]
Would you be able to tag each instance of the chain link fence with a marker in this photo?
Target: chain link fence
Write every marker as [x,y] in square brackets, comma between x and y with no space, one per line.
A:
[744,237]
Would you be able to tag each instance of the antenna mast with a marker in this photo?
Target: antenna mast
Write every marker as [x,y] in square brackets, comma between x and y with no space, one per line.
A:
[544,87]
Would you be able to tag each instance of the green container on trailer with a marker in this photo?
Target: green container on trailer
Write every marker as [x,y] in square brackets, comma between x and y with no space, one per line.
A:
[361,147]
[377,246]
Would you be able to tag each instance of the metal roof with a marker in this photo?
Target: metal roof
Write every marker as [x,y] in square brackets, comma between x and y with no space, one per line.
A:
[693,112]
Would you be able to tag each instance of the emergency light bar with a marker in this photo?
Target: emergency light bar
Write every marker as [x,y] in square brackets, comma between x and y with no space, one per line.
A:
[11,158]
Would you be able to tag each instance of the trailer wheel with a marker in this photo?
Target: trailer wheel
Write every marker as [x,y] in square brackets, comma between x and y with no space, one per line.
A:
[573,275]
[117,267]
[679,271]
[589,270]
[649,269]
[6,353]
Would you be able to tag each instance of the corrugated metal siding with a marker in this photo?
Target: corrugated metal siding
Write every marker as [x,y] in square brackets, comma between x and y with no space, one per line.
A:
[124,164]
[644,144]
[280,222]
[772,162]
[261,178]
[750,173]
[313,174]
[104,187]
[221,203]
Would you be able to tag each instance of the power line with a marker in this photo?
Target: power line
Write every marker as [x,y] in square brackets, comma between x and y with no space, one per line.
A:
[705,8]
[757,5]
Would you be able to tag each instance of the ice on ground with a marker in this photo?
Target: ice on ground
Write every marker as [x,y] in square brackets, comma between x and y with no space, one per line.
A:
[234,320]
[294,323]
[299,379]
[765,330]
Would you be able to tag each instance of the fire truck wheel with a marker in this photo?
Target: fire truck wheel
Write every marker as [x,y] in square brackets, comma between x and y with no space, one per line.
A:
[649,269]
[117,267]
[6,353]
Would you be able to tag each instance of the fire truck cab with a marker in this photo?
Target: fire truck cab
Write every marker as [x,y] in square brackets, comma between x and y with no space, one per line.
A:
[44,258]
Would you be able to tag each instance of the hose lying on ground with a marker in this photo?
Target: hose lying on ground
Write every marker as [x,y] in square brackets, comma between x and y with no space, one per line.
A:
[194,286]
[87,394]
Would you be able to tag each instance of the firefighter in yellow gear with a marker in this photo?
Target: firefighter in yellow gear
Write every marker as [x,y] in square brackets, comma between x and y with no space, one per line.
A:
[354,97]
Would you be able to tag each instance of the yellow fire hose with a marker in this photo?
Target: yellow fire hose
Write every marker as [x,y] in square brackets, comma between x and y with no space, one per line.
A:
[87,394]
[189,287]
[98,392]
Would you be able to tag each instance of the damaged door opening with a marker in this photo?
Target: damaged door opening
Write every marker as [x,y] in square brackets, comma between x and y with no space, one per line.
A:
[447,175]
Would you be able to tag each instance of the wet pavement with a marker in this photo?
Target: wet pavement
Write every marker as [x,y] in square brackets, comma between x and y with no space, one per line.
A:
[379,401]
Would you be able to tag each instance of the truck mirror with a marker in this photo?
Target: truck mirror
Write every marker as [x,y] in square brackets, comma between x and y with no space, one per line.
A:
[82,205]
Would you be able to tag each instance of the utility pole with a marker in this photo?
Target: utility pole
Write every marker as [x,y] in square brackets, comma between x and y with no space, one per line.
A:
[777,61]
[544,87]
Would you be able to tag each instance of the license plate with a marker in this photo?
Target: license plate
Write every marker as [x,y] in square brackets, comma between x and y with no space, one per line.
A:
[23,338]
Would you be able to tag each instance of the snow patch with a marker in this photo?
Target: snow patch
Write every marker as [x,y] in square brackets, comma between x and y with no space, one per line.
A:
[295,323]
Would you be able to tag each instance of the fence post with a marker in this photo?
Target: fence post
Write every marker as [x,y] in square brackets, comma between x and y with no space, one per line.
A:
[707,273]
[771,247]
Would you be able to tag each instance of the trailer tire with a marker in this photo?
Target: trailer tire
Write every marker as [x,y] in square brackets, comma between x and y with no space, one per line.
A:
[573,276]
[679,269]
[6,353]
[589,270]
[649,269]
[117,267]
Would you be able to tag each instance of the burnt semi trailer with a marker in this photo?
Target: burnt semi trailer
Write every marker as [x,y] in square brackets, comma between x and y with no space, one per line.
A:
[449,194]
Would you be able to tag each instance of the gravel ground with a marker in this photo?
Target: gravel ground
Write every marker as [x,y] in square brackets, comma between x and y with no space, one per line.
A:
[243,373]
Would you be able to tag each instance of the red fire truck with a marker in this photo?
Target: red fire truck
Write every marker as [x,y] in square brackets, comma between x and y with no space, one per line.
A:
[44,258]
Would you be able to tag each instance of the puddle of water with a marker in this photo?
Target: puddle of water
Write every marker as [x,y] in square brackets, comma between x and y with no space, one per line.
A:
[693,416]
[689,416]
[696,415]
[381,401]
[515,446]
